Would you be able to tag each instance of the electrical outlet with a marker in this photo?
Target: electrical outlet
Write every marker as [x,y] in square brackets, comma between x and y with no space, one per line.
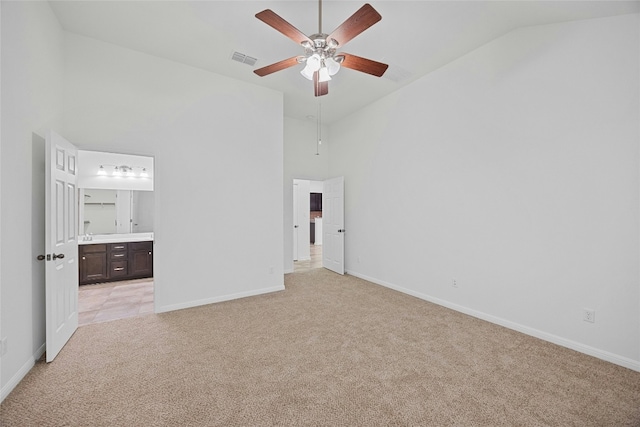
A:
[3,346]
[589,315]
[454,283]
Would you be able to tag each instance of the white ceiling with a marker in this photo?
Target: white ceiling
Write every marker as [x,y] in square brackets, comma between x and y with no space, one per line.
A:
[414,37]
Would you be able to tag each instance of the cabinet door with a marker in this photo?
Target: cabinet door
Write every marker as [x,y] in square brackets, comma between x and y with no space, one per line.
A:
[141,259]
[93,267]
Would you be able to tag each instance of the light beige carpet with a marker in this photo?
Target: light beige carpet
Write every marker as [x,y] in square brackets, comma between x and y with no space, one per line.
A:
[328,351]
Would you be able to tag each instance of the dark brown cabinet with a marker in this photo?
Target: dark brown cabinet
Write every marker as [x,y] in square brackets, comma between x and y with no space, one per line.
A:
[108,262]
[93,263]
[141,259]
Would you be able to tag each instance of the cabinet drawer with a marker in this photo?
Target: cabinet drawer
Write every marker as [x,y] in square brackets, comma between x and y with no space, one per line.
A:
[118,268]
[88,249]
[115,256]
[114,247]
[141,246]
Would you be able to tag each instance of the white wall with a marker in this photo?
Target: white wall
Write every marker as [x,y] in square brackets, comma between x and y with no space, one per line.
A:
[301,162]
[218,151]
[31,97]
[513,170]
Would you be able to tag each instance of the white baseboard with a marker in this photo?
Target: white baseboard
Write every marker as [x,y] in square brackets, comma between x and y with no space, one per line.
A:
[39,352]
[574,345]
[289,270]
[172,307]
[22,372]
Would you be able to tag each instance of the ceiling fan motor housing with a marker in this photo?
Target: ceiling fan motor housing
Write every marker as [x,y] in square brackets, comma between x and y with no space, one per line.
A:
[322,47]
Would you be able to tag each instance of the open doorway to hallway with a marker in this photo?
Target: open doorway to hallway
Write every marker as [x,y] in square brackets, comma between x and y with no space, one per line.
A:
[307,223]
[314,261]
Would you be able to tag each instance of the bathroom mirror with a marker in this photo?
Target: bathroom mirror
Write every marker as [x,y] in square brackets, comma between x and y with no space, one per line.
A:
[115,211]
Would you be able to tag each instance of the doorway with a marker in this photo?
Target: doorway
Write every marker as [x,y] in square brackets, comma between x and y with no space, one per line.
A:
[307,223]
[116,222]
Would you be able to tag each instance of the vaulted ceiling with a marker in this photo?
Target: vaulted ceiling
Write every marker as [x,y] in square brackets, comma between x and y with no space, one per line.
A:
[414,37]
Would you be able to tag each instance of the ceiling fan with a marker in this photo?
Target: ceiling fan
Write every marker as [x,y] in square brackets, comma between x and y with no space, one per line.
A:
[320,50]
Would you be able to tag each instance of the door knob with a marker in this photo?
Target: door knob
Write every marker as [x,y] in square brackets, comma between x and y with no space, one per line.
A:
[341,230]
[58,256]
[41,257]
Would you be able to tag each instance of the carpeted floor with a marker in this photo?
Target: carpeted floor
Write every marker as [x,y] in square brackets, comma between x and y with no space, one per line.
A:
[327,351]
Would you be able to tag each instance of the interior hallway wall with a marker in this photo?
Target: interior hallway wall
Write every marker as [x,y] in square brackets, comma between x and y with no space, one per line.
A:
[515,171]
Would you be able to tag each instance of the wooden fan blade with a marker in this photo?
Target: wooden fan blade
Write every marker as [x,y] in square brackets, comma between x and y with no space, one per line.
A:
[364,65]
[281,65]
[319,88]
[364,17]
[274,20]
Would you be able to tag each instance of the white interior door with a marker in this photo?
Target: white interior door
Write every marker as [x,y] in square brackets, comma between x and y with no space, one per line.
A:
[333,225]
[296,226]
[61,289]
[302,220]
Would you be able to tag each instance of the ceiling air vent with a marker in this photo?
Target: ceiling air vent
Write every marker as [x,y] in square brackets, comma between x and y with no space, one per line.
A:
[241,57]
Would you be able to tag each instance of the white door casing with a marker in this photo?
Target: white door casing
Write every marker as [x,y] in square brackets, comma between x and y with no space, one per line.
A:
[296,227]
[61,244]
[333,225]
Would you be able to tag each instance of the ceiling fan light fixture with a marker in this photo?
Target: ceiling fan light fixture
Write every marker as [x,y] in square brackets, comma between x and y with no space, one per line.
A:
[323,75]
[332,65]
[314,62]
[307,73]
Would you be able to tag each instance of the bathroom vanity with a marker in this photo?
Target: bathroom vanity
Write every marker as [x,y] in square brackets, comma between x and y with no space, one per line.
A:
[112,257]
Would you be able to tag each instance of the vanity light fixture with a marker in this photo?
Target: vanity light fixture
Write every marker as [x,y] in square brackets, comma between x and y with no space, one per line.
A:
[123,170]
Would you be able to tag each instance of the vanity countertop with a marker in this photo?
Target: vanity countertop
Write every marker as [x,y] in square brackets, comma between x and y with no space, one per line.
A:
[114,238]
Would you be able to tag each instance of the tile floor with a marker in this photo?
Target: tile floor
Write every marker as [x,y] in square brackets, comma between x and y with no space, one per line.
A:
[110,301]
[314,262]
[117,300]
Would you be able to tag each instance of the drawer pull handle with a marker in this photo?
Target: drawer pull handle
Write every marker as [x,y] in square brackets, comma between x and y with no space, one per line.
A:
[118,269]
[118,247]
[118,255]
